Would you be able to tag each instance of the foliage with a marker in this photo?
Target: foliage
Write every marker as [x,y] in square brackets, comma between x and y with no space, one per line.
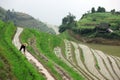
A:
[46,44]
[84,31]
[14,65]
[93,10]
[113,11]
[114,35]
[101,9]
[91,20]
[68,22]
[86,26]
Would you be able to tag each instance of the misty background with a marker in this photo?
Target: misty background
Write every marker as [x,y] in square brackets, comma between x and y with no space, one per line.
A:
[52,11]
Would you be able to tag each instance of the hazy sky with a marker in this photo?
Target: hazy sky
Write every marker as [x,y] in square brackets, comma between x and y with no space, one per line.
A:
[52,11]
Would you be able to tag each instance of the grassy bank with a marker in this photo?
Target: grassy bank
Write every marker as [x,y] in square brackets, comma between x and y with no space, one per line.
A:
[46,43]
[13,65]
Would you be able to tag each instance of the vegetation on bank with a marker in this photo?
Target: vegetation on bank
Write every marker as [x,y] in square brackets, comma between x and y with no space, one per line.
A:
[93,24]
[13,65]
[108,49]
[46,44]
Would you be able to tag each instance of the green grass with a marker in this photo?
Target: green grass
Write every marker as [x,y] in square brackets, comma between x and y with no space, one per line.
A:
[49,65]
[92,19]
[87,27]
[66,35]
[45,44]
[14,65]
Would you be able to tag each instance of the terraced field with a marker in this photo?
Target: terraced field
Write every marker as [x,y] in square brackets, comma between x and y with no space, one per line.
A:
[92,64]
[31,58]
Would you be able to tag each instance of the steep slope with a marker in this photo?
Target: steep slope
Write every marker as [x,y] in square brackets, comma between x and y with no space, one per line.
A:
[30,58]
[24,20]
[41,45]
[13,65]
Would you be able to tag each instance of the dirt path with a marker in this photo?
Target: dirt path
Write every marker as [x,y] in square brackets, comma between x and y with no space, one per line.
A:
[41,68]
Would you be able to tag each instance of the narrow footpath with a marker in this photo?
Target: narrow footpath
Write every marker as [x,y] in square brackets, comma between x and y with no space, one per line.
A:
[28,55]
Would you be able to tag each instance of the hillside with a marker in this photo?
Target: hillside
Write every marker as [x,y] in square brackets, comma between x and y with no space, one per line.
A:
[64,57]
[91,20]
[13,65]
[24,20]
[102,28]
[71,55]
[98,27]
[42,45]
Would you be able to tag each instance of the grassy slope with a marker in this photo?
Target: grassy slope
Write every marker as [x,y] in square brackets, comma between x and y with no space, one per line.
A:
[13,65]
[46,43]
[90,20]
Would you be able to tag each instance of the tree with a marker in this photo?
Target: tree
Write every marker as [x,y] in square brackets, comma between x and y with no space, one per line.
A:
[64,20]
[68,19]
[113,11]
[68,22]
[62,28]
[71,18]
[93,10]
[101,9]
[8,15]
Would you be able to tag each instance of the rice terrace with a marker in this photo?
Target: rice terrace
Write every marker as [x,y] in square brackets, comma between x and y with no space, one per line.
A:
[42,48]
